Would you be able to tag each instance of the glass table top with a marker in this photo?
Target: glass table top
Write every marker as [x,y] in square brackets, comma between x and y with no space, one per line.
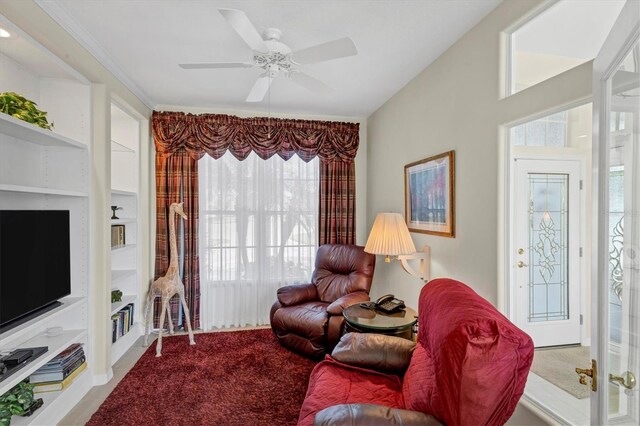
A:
[368,318]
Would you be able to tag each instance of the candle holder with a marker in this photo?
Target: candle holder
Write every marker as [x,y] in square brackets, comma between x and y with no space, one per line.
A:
[114,208]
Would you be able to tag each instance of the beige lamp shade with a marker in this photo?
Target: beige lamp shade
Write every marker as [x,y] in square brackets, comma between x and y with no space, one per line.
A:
[389,236]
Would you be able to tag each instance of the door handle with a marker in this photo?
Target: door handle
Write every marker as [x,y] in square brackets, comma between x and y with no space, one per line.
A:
[627,379]
[591,372]
[521,264]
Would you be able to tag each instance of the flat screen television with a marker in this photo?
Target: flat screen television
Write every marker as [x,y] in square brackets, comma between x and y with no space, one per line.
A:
[35,265]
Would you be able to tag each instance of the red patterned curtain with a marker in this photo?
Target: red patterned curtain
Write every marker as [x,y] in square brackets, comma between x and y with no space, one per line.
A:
[337,203]
[181,139]
[177,181]
[215,134]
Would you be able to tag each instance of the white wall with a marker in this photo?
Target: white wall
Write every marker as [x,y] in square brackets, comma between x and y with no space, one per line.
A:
[456,104]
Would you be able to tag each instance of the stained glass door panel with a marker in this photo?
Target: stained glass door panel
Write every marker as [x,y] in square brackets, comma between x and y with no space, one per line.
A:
[545,263]
[548,247]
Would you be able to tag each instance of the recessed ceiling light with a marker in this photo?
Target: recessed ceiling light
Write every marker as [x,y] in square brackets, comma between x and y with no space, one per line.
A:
[4,33]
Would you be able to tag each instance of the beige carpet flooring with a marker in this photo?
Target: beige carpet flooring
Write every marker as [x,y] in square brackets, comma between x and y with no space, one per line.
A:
[558,366]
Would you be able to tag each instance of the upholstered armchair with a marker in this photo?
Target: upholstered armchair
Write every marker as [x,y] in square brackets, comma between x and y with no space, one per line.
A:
[307,318]
[468,366]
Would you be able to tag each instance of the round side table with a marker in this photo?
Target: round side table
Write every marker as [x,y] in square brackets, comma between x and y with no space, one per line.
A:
[365,320]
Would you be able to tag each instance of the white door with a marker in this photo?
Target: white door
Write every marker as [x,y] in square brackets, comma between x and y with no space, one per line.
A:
[546,255]
[616,267]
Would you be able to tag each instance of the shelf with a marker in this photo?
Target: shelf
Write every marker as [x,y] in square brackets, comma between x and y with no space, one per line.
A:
[122,345]
[123,192]
[120,274]
[51,169]
[31,133]
[124,221]
[41,190]
[65,398]
[122,248]
[68,303]
[126,299]
[120,148]
[56,344]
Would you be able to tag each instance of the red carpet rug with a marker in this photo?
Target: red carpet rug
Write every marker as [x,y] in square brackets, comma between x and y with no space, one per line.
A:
[227,378]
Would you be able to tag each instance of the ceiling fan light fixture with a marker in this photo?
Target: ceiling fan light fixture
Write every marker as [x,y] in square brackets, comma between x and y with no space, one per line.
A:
[275,58]
[272,34]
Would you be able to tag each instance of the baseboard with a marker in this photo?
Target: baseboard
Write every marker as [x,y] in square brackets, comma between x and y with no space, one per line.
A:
[543,414]
[101,379]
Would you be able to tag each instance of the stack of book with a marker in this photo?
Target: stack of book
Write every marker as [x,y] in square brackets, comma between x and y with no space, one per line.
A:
[121,321]
[117,236]
[58,373]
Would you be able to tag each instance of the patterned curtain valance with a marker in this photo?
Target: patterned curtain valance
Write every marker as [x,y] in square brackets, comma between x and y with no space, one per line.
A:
[214,134]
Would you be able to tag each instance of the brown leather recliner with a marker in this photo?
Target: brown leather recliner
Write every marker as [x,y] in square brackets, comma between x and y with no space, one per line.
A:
[307,318]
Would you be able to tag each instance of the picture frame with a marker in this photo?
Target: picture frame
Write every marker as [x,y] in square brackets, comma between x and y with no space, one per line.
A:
[429,195]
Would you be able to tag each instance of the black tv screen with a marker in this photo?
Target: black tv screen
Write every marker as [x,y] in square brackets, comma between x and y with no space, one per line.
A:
[35,266]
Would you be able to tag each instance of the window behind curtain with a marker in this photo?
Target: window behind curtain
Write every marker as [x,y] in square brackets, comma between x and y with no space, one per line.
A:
[258,232]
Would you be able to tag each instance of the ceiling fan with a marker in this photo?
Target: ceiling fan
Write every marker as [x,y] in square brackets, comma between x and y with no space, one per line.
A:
[276,58]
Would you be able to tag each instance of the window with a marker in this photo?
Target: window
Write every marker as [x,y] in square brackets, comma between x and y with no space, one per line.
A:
[547,131]
[259,221]
[562,36]
[570,128]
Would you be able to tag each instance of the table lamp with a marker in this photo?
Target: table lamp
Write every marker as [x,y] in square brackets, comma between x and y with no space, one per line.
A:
[390,237]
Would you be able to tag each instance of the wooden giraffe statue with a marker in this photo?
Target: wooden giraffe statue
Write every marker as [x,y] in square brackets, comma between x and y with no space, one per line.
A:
[166,287]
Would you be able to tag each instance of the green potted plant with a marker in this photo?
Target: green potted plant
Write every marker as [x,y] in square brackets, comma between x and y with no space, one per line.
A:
[24,109]
[116,296]
[18,401]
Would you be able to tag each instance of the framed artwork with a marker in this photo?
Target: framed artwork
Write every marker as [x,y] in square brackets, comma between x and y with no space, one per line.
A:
[429,195]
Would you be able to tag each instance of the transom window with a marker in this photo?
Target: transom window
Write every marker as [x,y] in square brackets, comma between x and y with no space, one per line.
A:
[560,37]
[547,131]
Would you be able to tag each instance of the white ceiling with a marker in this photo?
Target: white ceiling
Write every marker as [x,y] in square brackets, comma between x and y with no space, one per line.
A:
[142,42]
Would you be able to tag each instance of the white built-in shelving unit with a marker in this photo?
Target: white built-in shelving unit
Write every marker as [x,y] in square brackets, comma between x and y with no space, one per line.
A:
[125,189]
[49,170]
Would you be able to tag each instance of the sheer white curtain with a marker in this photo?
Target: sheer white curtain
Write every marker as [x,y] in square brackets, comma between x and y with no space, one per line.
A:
[258,232]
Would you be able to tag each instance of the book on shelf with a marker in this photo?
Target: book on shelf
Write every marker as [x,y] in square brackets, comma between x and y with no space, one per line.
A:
[61,366]
[121,322]
[115,323]
[65,366]
[53,376]
[61,384]
[117,236]
[65,354]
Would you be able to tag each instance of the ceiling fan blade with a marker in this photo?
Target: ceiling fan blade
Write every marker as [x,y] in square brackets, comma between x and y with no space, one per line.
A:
[260,88]
[309,83]
[325,51]
[212,65]
[245,29]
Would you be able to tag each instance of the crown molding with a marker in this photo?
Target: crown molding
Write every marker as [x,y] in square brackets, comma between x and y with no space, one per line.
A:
[61,15]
